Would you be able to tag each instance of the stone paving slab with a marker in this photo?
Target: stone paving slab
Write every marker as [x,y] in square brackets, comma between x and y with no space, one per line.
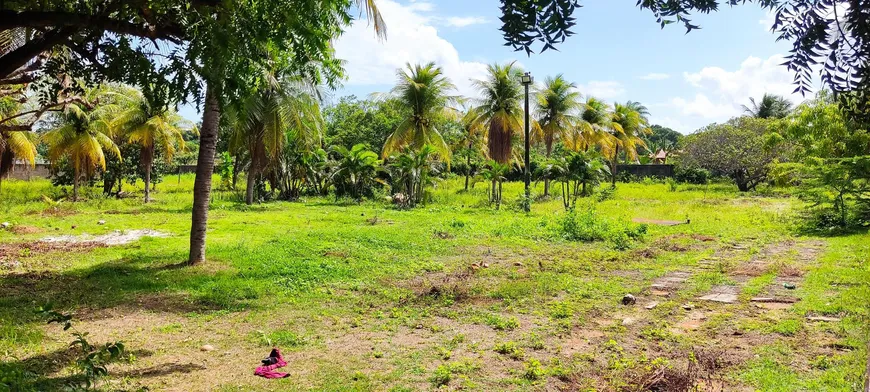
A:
[723,294]
[672,281]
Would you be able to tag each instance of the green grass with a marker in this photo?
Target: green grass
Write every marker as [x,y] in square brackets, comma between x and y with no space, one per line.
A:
[366,297]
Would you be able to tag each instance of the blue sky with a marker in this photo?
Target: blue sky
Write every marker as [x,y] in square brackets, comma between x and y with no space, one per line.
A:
[618,53]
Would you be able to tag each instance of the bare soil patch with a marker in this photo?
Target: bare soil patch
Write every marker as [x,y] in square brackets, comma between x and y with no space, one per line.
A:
[22,230]
[115,238]
[660,222]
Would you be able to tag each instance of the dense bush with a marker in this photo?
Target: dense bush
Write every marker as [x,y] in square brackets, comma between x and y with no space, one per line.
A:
[691,174]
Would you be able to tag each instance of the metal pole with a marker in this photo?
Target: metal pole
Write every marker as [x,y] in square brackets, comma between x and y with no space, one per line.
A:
[528,173]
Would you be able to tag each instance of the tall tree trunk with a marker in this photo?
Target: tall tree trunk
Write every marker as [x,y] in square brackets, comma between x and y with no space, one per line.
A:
[252,180]
[493,196]
[547,179]
[613,167]
[108,184]
[235,171]
[147,158]
[468,166]
[75,184]
[208,137]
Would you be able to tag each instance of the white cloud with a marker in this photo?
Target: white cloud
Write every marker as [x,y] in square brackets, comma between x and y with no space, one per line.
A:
[719,94]
[703,107]
[754,78]
[463,21]
[768,20]
[655,76]
[419,6]
[602,89]
[411,38]
[672,123]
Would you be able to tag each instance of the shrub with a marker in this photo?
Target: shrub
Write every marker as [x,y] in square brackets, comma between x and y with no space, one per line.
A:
[442,376]
[691,175]
[510,349]
[533,370]
[588,227]
[605,194]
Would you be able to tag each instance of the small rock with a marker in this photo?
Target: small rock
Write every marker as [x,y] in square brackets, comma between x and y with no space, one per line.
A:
[789,286]
[73,227]
[688,306]
[518,264]
[485,265]
[651,305]
[419,326]
[628,321]
[629,299]
[206,347]
[5,225]
[101,222]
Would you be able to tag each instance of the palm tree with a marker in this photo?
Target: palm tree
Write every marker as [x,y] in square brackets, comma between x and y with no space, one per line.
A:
[410,172]
[495,173]
[83,137]
[558,104]
[500,109]
[154,129]
[576,171]
[470,143]
[280,113]
[632,121]
[355,171]
[14,145]
[771,106]
[423,89]
[593,126]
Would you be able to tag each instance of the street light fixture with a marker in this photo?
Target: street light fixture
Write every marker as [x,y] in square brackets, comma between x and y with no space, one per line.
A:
[527,80]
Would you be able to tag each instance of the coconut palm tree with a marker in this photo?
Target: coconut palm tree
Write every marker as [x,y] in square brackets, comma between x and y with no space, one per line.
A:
[496,173]
[771,106]
[410,172]
[500,109]
[471,144]
[282,112]
[153,129]
[593,128]
[84,136]
[14,145]
[632,121]
[558,105]
[355,172]
[424,90]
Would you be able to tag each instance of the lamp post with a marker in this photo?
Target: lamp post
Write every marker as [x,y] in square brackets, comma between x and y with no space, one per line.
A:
[527,80]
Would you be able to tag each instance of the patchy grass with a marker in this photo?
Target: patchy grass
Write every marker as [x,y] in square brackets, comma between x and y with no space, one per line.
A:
[365,297]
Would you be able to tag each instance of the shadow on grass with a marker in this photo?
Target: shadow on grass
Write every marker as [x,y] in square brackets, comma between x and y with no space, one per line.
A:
[38,372]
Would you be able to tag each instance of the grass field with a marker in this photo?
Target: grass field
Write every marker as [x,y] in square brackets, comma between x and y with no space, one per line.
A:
[451,295]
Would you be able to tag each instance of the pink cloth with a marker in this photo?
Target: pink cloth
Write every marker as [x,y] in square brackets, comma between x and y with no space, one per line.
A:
[269,370]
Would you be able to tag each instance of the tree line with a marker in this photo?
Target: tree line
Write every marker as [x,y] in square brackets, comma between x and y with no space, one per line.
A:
[214,53]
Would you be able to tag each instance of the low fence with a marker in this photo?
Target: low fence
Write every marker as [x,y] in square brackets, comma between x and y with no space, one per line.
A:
[665,171]
[22,171]
[26,172]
